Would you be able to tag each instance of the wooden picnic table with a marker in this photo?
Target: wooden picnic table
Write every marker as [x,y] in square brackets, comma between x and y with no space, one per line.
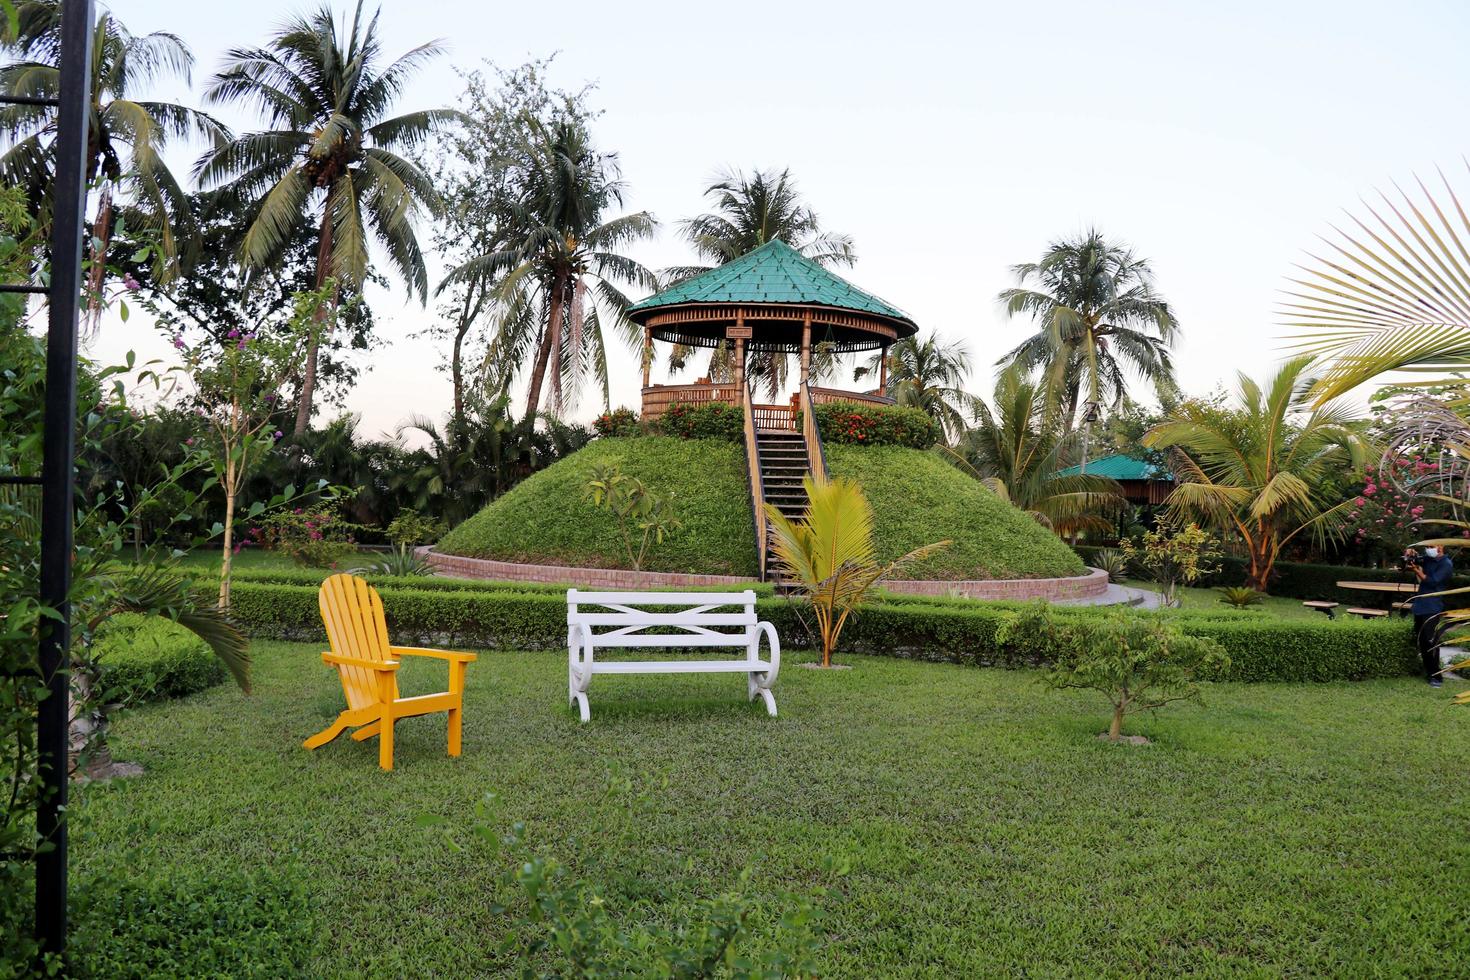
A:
[1380,586]
[1392,588]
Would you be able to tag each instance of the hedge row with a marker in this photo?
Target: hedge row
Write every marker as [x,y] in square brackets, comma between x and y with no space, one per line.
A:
[1301,580]
[147,658]
[1261,648]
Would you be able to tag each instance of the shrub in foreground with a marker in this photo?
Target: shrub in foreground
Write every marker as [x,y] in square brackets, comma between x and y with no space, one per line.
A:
[205,924]
[1138,662]
[144,658]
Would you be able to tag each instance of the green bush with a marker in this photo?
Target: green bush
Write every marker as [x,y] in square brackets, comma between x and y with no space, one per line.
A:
[618,423]
[1261,648]
[711,420]
[856,424]
[207,924]
[145,658]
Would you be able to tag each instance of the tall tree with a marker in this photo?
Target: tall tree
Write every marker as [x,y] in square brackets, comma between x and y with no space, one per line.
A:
[215,298]
[1017,448]
[928,375]
[747,213]
[1099,318]
[1258,470]
[481,169]
[330,157]
[126,134]
[559,277]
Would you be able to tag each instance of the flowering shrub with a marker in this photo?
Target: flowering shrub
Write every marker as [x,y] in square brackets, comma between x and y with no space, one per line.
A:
[712,420]
[875,425]
[316,537]
[1383,520]
[618,422]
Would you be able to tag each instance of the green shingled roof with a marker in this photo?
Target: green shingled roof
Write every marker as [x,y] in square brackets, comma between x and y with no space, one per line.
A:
[1119,467]
[773,273]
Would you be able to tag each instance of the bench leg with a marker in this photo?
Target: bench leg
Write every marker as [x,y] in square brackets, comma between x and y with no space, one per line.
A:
[580,700]
[754,687]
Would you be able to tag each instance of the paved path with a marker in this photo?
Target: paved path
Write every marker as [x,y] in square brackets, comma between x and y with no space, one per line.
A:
[1118,595]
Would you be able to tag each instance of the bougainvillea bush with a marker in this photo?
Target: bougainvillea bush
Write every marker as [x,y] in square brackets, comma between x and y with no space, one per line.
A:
[711,420]
[618,422]
[875,425]
[1383,519]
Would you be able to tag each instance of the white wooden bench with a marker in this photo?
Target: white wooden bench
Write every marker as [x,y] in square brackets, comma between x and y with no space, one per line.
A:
[702,619]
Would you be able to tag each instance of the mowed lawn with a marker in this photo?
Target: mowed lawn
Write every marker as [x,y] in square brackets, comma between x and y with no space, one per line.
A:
[1312,830]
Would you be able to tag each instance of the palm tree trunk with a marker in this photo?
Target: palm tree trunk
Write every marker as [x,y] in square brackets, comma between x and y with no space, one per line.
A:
[549,339]
[102,235]
[308,380]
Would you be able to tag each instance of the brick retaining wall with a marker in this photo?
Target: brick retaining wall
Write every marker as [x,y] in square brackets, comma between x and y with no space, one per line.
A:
[1095,582]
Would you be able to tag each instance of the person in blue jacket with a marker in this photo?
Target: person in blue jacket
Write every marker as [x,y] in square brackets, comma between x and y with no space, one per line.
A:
[1433,571]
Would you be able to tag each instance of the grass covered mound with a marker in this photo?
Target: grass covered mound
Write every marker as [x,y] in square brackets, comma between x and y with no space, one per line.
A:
[916,497]
[547,520]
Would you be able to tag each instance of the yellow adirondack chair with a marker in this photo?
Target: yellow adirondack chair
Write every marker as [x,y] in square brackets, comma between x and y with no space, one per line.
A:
[358,633]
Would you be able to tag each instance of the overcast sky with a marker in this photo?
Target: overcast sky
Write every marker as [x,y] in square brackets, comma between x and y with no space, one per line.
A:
[953,140]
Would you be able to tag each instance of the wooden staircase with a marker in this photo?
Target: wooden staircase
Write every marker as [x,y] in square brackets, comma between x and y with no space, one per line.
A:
[779,453]
[782,464]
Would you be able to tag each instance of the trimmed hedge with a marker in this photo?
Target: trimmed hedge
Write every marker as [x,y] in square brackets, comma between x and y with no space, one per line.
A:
[857,424]
[1306,580]
[148,658]
[946,631]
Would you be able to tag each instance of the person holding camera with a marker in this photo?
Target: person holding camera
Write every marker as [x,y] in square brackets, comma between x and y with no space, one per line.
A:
[1433,571]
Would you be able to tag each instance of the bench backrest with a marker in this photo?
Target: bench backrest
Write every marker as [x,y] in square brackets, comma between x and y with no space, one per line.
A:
[683,619]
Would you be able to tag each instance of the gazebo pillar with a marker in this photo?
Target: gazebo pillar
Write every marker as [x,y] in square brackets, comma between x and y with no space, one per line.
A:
[806,346]
[740,350]
[882,370]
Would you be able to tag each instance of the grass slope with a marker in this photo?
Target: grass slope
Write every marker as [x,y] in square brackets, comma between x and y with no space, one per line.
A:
[547,520]
[917,498]
[1312,830]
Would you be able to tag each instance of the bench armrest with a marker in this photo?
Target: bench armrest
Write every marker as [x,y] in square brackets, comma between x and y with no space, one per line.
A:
[338,660]
[437,654]
[775,644]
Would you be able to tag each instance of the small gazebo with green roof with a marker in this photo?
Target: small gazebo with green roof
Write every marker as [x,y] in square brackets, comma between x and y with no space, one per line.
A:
[770,299]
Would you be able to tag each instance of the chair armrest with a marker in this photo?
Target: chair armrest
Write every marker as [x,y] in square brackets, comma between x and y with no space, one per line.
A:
[341,661]
[437,654]
[775,644]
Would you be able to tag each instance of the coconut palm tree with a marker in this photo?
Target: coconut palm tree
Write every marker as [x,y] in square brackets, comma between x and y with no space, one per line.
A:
[1017,449]
[1258,469]
[749,212]
[1393,295]
[330,155]
[1099,319]
[928,375]
[559,278]
[126,135]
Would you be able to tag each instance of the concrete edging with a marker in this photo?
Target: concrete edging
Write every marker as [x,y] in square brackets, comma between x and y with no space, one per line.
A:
[1094,583]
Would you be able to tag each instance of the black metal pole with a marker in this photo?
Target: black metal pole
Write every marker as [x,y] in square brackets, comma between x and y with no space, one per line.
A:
[57,466]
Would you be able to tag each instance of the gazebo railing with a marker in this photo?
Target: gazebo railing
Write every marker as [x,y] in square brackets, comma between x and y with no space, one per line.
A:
[658,399]
[822,396]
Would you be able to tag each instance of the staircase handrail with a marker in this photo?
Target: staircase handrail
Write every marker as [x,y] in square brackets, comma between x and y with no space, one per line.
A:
[757,489]
[811,433]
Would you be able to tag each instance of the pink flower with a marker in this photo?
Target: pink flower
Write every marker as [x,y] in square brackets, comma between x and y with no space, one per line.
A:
[1361,502]
[278,435]
[132,285]
[1370,490]
[178,343]
[234,332]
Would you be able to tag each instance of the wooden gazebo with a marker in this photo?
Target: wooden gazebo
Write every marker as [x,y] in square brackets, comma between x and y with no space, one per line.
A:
[776,300]
[772,299]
